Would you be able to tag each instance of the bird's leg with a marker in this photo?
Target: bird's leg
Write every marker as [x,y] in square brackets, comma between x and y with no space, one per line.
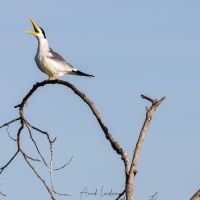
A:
[53,77]
[48,79]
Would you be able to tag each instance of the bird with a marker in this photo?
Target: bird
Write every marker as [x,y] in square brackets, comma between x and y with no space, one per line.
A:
[48,61]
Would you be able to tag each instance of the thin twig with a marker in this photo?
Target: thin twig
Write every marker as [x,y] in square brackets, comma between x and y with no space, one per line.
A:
[149,99]
[10,135]
[39,130]
[2,168]
[154,197]
[43,181]
[34,142]
[51,165]
[121,194]
[50,142]
[6,124]
[2,194]
[63,165]
[33,159]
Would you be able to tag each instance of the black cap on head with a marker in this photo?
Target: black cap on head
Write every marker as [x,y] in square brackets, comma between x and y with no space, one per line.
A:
[43,32]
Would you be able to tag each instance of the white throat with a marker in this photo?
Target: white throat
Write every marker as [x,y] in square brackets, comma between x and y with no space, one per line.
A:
[43,45]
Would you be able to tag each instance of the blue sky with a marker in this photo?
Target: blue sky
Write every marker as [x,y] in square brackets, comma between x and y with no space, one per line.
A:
[132,48]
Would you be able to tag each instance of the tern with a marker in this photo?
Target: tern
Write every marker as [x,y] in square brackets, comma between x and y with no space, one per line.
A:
[48,61]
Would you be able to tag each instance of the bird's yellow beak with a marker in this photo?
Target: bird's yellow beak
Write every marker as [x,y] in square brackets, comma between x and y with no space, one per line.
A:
[36,28]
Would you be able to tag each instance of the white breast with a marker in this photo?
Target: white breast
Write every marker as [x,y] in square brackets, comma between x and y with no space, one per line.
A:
[50,62]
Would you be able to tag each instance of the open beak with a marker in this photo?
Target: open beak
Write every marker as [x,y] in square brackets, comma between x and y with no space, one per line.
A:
[36,28]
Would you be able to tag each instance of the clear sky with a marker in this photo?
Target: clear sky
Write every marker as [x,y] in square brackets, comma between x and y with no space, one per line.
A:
[132,48]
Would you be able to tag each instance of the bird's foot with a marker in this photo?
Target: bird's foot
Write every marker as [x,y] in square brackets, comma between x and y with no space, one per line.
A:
[48,79]
[51,78]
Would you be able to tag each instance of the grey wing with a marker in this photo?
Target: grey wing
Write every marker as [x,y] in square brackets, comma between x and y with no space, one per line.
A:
[58,58]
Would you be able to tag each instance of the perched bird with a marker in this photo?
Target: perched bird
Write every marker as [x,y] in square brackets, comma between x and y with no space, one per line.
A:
[48,61]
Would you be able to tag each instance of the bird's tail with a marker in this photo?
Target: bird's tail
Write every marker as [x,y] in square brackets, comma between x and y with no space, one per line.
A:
[79,73]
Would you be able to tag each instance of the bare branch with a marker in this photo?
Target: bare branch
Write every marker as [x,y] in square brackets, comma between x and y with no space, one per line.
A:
[121,194]
[149,99]
[43,181]
[2,168]
[33,159]
[39,130]
[149,113]
[6,124]
[2,194]
[114,143]
[50,142]
[63,165]
[154,197]
[10,135]
[34,142]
